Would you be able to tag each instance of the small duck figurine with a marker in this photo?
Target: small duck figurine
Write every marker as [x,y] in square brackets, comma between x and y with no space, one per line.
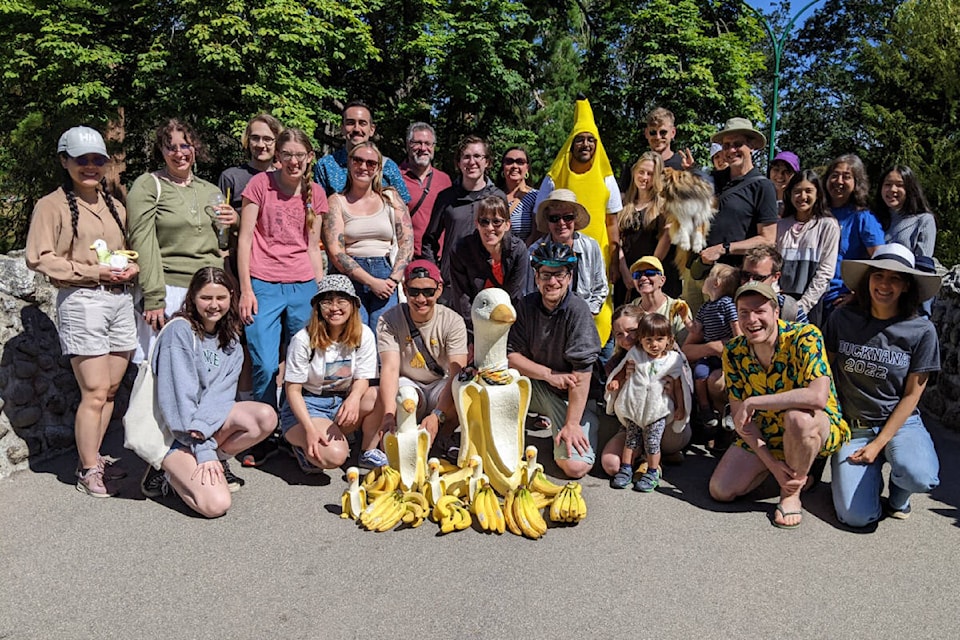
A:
[117,260]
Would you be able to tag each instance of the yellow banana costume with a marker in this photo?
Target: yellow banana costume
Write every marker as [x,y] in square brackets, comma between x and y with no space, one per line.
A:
[592,193]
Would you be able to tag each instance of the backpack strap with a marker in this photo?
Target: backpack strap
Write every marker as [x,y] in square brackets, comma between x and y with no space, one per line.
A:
[419,344]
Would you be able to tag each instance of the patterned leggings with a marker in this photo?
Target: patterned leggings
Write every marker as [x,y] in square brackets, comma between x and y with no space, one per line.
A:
[647,437]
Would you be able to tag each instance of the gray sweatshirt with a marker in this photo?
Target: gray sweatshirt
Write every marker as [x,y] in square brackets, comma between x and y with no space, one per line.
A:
[196,385]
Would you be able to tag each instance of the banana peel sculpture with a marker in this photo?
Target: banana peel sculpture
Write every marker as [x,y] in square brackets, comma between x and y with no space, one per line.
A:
[407,448]
[492,405]
[354,499]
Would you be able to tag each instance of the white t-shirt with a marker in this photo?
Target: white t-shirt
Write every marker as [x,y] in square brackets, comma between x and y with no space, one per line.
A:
[614,203]
[332,370]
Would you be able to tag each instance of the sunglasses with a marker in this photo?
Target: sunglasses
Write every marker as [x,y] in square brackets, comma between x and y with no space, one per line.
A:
[649,273]
[566,217]
[496,223]
[511,161]
[98,161]
[426,292]
[364,162]
[662,133]
[754,277]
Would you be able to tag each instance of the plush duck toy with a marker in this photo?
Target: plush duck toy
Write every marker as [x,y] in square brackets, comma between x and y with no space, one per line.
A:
[492,405]
[117,260]
[407,448]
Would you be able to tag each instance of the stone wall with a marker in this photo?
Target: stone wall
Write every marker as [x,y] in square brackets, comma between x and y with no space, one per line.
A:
[39,394]
[38,391]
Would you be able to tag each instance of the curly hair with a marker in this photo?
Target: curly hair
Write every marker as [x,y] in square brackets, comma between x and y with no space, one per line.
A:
[164,138]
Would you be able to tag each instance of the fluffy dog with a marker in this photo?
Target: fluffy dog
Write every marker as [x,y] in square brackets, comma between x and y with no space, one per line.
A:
[689,207]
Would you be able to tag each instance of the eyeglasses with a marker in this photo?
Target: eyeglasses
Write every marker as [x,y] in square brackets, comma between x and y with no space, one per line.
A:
[475,156]
[174,148]
[754,277]
[336,301]
[734,145]
[547,276]
[267,140]
[512,161]
[95,160]
[662,133]
[365,162]
[566,217]
[287,156]
[648,273]
[496,223]
[426,292]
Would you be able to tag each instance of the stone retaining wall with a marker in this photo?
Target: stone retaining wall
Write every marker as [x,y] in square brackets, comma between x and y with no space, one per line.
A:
[39,394]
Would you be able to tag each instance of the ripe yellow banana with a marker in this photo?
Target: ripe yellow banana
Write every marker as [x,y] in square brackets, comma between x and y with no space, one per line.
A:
[511,522]
[526,514]
[391,478]
[379,510]
[442,509]
[464,521]
[541,483]
[393,515]
[581,507]
[499,521]
[555,508]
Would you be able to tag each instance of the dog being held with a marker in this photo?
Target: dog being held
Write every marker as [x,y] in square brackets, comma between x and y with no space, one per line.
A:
[689,207]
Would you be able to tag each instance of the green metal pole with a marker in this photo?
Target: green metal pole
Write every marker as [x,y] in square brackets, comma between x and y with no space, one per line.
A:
[778,46]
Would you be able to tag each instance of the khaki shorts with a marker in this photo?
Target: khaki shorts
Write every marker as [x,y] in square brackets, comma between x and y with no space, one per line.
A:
[96,321]
[430,394]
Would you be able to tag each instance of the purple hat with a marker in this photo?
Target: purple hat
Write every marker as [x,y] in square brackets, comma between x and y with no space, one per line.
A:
[790,158]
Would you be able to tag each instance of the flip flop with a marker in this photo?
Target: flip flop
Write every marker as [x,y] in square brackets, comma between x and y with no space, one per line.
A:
[784,515]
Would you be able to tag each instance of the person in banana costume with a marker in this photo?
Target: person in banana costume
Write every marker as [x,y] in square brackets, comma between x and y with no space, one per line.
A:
[582,166]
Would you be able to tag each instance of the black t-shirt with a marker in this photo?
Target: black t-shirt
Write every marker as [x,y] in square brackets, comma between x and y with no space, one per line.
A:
[743,203]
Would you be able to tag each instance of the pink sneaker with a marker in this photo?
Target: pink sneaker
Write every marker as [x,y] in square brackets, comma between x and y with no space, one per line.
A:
[91,483]
[111,470]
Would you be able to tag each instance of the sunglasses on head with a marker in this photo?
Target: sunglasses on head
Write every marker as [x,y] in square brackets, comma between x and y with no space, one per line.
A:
[566,217]
[426,292]
[650,273]
[496,223]
[98,161]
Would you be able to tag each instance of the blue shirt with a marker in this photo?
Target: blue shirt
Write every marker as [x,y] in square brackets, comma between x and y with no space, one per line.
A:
[859,231]
[330,172]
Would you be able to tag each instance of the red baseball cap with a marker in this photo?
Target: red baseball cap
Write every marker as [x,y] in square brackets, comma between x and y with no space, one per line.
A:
[422,269]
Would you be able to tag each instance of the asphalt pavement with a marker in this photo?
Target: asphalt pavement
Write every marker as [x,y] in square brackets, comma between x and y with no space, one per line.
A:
[283,564]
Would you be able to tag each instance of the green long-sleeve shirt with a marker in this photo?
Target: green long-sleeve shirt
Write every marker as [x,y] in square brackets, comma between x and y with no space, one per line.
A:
[172,233]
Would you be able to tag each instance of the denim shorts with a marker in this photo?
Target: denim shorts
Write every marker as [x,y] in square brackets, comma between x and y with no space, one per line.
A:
[317,407]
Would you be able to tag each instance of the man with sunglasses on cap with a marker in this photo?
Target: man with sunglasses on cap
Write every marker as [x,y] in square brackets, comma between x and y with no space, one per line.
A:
[783,402]
[422,345]
[554,343]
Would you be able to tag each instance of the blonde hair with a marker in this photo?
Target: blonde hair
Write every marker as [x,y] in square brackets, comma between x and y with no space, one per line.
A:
[320,336]
[629,217]
[726,277]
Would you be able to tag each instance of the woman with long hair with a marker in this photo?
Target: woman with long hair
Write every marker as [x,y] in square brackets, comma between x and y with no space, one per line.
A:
[169,226]
[904,212]
[368,233]
[521,197]
[279,257]
[330,364]
[643,229]
[94,298]
[808,238]
[882,353]
[196,366]
[860,232]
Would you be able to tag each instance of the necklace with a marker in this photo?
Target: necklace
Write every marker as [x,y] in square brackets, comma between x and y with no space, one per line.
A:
[195,209]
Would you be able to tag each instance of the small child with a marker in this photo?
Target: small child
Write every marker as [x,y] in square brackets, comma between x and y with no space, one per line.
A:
[716,321]
[648,388]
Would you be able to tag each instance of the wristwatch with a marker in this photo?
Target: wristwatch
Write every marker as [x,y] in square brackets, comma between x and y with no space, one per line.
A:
[441,416]
[726,248]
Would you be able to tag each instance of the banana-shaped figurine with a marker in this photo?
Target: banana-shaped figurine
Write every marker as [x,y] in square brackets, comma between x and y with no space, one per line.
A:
[354,499]
[492,406]
[407,448]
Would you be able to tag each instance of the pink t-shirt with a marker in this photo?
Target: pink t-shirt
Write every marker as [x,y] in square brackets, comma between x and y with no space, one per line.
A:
[279,251]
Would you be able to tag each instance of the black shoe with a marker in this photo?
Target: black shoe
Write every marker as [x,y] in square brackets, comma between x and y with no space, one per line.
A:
[151,486]
[260,452]
[234,482]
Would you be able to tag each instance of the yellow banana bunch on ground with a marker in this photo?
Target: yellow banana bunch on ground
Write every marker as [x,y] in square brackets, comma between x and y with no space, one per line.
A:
[354,499]
[541,484]
[486,507]
[522,516]
[380,481]
[383,513]
[568,506]
[415,509]
[451,514]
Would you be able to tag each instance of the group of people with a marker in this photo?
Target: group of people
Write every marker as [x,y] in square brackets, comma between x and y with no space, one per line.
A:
[314,289]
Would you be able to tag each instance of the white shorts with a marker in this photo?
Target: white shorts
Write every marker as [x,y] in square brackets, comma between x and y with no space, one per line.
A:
[95,321]
[145,333]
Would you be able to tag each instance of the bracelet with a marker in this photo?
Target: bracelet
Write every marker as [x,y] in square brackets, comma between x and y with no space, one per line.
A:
[395,281]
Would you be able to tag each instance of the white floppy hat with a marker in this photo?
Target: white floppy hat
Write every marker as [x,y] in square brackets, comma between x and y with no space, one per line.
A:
[892,257]
[565,196]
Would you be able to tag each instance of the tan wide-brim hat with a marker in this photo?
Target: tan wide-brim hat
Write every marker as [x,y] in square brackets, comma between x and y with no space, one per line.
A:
[891,257]
[755,139]
[565,196]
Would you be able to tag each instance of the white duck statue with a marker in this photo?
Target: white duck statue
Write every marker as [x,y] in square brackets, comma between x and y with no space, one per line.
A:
[407,448]
[492,404]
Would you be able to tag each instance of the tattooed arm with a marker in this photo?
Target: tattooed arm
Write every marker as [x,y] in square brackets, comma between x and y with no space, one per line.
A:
[333,239]
[403,229]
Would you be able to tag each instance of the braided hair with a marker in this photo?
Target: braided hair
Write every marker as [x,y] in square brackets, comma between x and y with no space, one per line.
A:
[293,134]
[75,210]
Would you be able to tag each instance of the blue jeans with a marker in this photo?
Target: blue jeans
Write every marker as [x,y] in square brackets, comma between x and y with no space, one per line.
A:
[371,306]
[914,468]
[282,310]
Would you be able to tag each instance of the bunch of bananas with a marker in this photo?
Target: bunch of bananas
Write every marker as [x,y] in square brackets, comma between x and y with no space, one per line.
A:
[486,507]
[568,506]
[522,516]
[381,480]
[541,484]
[451,514]
[392,508]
